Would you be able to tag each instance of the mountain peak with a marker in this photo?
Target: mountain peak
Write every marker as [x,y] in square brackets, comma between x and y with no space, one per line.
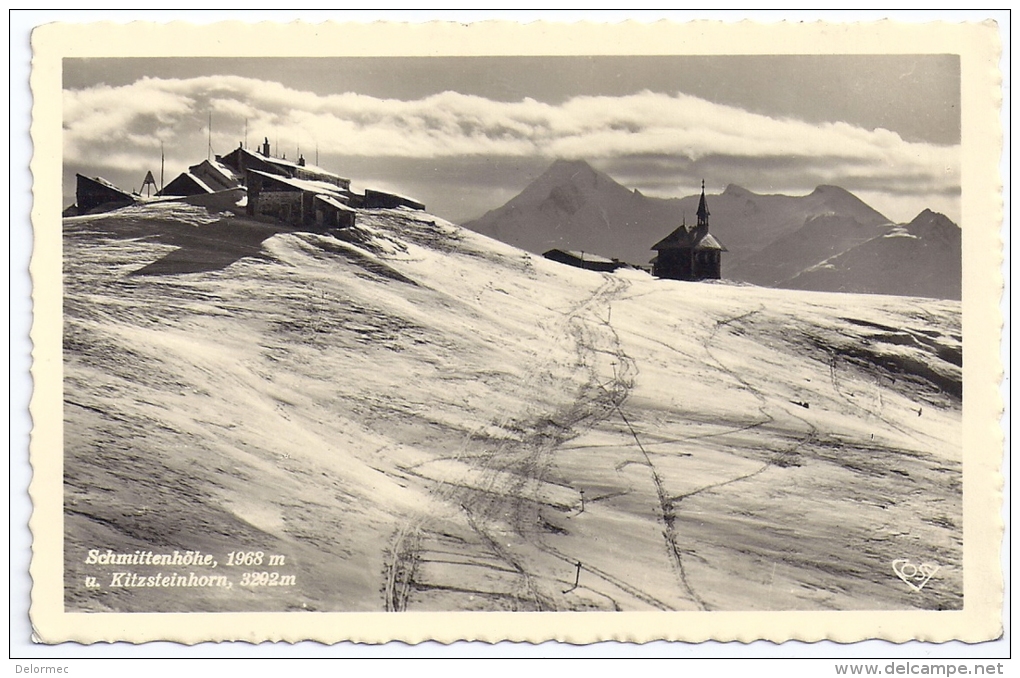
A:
[575,178]
[564,162]
[932,218]
[829,189]
[737,191]
[839,200]
[568,168]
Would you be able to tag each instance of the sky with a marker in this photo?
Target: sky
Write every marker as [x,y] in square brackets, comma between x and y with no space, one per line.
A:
[466,134]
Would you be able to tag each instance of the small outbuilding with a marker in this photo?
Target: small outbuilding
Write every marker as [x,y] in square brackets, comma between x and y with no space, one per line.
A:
[380,199]
[690,253]
[585,260]
[98,194]
[331,213]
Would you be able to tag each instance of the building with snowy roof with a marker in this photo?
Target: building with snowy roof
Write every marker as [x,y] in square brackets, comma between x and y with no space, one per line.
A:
[299,202]
[186,184]
[585,260]
[208,176]
[216,175]
[98,194]
[690,253]
[240,160]
[381,200]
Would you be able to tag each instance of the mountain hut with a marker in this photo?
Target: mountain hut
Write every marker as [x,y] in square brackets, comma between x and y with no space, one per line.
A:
[297,202]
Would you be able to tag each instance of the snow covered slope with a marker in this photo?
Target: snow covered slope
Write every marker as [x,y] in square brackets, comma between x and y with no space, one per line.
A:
[420,418]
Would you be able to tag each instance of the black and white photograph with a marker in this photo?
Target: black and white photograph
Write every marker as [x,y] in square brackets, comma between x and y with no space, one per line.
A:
[603,333]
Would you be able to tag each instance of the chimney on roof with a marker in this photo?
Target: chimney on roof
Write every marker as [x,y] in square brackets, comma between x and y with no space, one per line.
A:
[301,160]
[265,147]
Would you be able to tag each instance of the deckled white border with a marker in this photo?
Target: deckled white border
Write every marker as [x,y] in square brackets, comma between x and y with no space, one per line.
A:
[976,44]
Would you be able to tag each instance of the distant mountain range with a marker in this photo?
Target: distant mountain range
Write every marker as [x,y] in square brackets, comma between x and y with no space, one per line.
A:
[921,259]
[829,240]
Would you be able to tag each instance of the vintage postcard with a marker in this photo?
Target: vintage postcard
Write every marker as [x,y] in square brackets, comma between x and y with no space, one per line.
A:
[584,332]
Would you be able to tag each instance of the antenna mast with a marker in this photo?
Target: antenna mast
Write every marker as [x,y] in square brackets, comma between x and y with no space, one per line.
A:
[161,162]
[208,151]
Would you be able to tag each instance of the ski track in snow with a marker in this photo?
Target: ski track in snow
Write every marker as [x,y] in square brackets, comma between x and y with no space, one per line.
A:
[527,472]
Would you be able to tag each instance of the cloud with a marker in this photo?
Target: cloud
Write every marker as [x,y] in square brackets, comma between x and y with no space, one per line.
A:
[118,124]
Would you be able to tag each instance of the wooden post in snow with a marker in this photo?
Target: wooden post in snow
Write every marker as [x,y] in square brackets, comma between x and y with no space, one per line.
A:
[577,578]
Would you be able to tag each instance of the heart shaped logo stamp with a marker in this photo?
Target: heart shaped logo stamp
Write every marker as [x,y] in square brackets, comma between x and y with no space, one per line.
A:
[914,575]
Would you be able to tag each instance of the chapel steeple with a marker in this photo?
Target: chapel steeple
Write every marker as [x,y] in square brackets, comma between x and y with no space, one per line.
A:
[703,208]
